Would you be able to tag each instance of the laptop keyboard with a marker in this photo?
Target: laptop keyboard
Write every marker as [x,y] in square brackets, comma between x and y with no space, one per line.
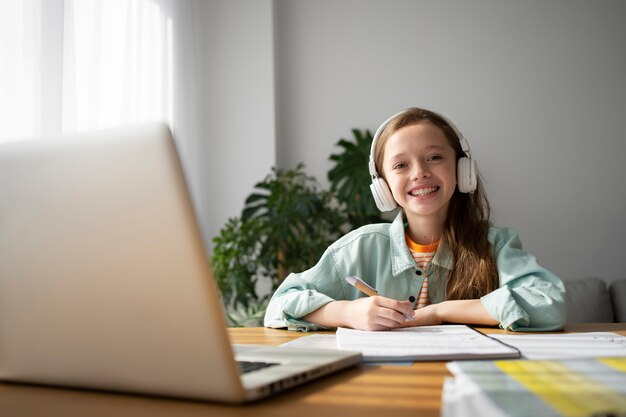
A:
[247,366]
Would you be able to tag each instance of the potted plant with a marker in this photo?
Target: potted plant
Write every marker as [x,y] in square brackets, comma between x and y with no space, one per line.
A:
[285,226]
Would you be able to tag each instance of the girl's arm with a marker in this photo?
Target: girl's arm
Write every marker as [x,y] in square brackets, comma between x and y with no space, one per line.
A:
[453,311]
[381,313]
[369,313]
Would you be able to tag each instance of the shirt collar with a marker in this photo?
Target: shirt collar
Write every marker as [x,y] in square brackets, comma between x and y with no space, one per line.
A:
[401,258]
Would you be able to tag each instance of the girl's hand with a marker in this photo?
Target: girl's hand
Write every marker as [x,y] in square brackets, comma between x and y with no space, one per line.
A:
[376,313]
[426,316]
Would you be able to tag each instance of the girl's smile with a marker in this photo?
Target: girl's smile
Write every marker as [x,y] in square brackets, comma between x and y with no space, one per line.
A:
[423,191]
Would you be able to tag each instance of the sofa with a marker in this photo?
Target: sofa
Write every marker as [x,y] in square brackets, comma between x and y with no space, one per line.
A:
[593,300]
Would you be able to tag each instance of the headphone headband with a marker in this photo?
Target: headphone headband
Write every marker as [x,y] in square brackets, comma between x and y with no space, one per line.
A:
[379,131]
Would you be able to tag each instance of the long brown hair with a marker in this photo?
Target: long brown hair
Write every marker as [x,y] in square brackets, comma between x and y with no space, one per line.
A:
[474,273]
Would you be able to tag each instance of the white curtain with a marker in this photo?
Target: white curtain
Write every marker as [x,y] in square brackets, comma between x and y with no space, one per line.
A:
[21,90]
[71,65]
[204,66]
[74,65]
[117,63]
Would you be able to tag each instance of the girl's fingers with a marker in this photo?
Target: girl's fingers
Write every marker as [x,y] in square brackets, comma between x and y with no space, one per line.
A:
[379,313]
[402,307]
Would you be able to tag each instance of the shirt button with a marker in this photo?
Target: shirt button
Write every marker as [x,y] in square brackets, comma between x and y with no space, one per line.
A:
[412,299]
[418,272]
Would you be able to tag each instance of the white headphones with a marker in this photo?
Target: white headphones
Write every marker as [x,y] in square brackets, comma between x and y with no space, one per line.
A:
[466,169]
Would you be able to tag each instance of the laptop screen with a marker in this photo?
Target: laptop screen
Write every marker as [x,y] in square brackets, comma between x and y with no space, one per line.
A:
[104,279]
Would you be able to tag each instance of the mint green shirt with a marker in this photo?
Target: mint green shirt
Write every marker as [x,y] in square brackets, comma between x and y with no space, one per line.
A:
[530,298]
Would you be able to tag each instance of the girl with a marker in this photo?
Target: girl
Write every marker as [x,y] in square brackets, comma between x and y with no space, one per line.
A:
[440,261]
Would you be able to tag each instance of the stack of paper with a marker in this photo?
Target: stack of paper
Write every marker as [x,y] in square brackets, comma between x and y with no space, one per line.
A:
[574,387]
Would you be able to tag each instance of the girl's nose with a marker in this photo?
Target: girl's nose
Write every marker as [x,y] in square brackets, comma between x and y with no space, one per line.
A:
[420,170]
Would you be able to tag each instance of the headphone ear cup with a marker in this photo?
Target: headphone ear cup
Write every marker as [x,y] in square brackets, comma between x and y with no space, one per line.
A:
[466,175]
[382,195]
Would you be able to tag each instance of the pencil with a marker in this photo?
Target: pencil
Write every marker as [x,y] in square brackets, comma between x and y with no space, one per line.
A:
[361,285]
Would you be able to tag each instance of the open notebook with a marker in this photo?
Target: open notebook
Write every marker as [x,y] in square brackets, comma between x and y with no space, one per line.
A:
[414,344]
[105,282]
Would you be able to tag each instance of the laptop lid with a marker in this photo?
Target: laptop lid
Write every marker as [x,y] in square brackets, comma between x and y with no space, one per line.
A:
[104,279]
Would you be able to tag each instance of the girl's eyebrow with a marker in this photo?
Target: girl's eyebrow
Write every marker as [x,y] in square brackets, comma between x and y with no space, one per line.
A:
[426,148]
[434,147]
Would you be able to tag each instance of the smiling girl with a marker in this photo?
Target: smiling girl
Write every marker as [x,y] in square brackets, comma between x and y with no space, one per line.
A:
[440,261]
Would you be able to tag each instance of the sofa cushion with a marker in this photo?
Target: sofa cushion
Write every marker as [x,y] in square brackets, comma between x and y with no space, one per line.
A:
[588,301]
[617,290]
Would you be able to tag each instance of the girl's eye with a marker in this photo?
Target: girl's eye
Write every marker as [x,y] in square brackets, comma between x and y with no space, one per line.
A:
[399,165]
[434,158]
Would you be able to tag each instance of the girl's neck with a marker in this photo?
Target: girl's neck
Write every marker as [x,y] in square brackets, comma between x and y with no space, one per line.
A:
[424,230]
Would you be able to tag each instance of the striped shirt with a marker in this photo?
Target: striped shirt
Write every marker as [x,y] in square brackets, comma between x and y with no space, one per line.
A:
[422,254]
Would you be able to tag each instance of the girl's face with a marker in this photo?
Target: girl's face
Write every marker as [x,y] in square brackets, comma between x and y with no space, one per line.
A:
[420,167]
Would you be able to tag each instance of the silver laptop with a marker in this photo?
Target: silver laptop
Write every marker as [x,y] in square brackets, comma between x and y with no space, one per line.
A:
[105,282]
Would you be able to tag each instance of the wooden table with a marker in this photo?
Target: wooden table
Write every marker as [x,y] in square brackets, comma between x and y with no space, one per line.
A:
[366,390]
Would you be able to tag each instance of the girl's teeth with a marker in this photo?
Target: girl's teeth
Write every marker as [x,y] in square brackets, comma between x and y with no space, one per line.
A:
[423,191]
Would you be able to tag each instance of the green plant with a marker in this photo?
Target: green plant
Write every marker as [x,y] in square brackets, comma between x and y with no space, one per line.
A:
[350,180]
[234,261]
[285,226]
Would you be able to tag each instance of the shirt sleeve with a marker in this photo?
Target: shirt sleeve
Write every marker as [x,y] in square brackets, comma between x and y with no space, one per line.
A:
[302,293]
[530,298]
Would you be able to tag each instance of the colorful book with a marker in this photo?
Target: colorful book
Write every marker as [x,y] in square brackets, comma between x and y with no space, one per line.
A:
[515,388]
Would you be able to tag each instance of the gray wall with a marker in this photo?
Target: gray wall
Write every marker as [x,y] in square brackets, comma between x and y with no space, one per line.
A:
[228,96]
[537,87]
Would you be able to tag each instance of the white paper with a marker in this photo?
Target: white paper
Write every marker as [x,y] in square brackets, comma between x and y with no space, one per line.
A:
[566,346]
[423,344]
